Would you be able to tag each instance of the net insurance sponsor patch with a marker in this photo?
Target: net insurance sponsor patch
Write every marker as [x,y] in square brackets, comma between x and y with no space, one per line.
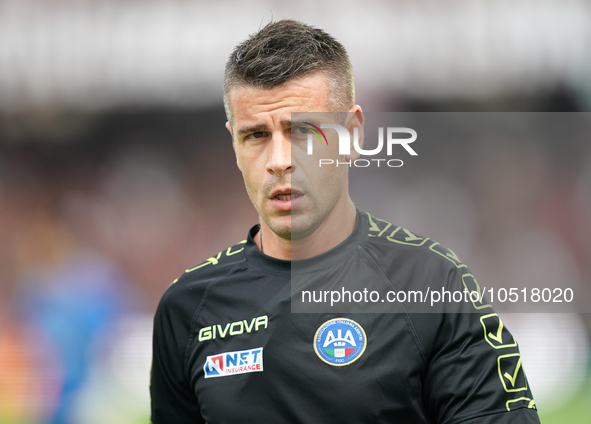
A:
[340,342]
[232,363]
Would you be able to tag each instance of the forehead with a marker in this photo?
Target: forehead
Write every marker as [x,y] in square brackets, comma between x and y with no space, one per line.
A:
[308,94]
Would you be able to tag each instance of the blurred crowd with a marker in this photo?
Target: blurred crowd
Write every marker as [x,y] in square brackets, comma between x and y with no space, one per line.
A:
[93,232]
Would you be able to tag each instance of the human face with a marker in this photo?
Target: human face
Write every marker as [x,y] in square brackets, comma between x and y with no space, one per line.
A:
[291,193]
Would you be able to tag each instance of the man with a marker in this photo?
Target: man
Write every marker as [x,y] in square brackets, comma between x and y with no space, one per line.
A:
[227,347]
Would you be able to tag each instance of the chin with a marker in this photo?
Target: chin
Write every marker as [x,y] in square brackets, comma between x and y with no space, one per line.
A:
[302,227]
[292,227]
[280,226]
[282,231]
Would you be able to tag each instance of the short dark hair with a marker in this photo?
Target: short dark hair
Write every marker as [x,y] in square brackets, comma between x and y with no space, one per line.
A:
[286,50]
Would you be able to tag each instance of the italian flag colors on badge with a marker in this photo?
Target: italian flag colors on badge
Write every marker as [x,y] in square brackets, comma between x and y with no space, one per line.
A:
[339,353]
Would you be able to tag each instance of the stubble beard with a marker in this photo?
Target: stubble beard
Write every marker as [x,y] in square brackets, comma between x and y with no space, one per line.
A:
[282,229]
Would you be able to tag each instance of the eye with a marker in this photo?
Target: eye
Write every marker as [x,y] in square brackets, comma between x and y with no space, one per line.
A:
[300,130]
[256,135]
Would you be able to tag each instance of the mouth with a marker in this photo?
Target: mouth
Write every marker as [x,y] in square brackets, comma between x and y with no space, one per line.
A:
[287,196]
[286,199]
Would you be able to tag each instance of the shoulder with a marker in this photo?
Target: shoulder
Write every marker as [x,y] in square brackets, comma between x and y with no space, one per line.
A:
[415,262]
[189,290]
[388,242]
[431,275]
[215,265]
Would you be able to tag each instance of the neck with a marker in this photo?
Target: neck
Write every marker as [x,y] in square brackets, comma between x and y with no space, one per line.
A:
[335,228]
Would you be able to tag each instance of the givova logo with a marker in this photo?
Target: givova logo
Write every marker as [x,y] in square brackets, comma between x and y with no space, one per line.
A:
[340,342]
[231,363]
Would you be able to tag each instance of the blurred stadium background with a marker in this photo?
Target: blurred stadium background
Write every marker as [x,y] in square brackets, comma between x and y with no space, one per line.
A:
[116,174]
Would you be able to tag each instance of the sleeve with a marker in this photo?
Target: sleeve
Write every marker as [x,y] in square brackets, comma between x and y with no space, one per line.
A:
[172,399]
[475,372]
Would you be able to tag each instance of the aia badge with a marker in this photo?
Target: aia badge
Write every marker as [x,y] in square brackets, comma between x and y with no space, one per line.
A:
[232,363]
[340,342]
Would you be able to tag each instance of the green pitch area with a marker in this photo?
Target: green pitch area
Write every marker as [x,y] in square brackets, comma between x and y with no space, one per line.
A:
[577,411]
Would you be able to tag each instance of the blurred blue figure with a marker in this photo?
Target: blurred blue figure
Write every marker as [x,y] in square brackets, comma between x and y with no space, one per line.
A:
[75,304]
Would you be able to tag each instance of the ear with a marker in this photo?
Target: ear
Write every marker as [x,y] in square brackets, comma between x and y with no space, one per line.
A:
[229,128]
[355,119]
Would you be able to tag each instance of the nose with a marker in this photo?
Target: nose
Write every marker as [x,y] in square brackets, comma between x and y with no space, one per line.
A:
[279,159]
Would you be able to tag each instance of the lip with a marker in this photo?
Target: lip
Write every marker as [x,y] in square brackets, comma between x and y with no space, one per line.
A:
[285,190]
[286,205]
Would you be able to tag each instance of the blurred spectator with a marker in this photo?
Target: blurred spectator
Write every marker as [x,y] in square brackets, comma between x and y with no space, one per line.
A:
[73,299]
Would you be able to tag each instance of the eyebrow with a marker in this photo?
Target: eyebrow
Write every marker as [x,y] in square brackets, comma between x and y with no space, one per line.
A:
[261,127]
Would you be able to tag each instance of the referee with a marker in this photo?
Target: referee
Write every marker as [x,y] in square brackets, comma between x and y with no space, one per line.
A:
[227,347]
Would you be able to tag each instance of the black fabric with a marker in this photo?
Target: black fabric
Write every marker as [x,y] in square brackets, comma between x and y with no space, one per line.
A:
[417,368]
